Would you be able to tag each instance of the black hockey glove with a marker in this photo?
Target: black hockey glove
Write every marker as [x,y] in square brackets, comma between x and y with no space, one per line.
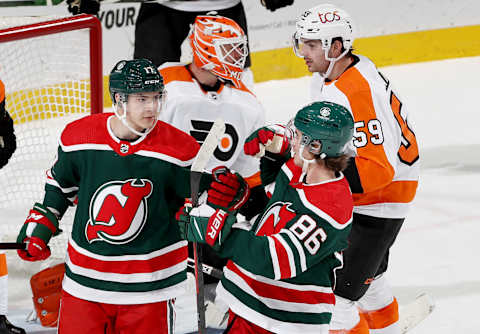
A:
[8,142]
[83,6]
[275,4]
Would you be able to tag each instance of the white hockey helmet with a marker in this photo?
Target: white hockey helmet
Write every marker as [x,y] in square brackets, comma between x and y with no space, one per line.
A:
[324,22]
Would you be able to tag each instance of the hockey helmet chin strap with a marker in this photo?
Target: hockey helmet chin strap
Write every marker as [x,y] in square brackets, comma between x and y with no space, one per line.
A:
[123,119]
[307,162]
[332,62]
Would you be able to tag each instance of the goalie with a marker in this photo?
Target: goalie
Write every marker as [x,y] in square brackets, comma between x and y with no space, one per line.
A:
[128,174]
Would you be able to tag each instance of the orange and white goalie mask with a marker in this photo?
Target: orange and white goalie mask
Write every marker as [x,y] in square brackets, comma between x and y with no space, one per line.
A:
[219,45]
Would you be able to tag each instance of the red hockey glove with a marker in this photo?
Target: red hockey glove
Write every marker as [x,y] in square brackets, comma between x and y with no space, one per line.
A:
[273,138]
[205,225]
[227,191]
[39,227]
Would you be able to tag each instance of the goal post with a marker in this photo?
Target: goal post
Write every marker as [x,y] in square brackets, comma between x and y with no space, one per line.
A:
[53,74]
[65,24]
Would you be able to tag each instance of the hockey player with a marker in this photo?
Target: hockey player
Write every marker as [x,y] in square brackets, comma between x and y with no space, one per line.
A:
[281,273]
[208,88]
[126,174]
[8,144]
[383,175]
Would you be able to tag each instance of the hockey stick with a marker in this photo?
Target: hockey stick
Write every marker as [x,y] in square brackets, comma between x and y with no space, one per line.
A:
[415,312]
[209,270]
[206,151]
[12,245]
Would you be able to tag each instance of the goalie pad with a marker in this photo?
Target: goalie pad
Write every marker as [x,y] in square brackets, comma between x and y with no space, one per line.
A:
[47,290]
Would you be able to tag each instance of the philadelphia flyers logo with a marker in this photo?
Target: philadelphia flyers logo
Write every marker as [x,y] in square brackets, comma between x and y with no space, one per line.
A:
[275,218]
[228,143]
[118,211]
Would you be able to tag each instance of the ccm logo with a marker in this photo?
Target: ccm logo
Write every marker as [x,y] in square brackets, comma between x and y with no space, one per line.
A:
[329,17]
[216,224]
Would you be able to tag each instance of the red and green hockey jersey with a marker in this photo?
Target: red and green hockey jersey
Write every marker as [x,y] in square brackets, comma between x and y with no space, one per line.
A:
[125,246]
[281,273]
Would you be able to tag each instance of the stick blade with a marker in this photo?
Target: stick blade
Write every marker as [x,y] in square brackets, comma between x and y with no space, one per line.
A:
[415,312]
[209,145]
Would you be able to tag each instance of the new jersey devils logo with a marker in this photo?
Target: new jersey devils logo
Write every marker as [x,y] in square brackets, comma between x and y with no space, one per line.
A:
[275,218]
[118,211]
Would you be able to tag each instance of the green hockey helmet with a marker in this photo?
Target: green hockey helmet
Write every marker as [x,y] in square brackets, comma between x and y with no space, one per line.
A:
[134,76]
[326,128]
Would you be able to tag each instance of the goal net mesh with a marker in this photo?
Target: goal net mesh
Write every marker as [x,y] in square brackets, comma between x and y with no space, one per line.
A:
[47,83]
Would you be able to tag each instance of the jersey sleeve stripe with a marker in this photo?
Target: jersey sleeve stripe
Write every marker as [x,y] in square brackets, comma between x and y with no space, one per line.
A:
[269,292]
[273,255]
[291,258]
[395,192]
[298,247]
[282,258]
[51,181]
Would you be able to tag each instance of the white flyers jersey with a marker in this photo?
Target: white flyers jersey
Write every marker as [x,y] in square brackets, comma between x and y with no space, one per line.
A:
[193,110]
[387,158]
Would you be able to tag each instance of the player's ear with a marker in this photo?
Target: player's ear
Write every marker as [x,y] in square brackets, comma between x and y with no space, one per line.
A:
[337,47]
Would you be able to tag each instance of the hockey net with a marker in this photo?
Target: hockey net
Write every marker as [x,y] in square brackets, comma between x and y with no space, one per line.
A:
[52,71]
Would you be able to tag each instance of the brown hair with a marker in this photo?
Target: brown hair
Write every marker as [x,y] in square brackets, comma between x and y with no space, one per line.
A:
[337,164]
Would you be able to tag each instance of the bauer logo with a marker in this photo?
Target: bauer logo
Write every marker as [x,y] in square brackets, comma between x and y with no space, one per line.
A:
[118,211]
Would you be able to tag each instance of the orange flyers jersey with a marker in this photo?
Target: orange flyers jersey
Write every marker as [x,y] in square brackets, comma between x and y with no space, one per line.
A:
[193,110]
[384,177]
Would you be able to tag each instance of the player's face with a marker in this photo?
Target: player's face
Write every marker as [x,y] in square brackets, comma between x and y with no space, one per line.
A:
[143,109]
[234,54]
[313,54]
[297,141]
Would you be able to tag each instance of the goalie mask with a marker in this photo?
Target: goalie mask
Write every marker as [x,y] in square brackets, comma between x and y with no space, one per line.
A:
[327,130]
[324,22]
[219,45]
[132,77]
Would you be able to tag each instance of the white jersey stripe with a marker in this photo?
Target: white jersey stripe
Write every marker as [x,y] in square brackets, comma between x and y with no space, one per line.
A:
[122,298]
[127,278]
[274,256]
[298,246]
[139,257]
[291,258]
[289,306]
[321,213]
[273,325]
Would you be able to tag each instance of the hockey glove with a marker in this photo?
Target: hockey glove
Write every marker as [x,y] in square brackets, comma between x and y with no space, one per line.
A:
[39,227]
[275,4]
[83,6]
[205,225]
[273,138]
[8,142]
[227,191]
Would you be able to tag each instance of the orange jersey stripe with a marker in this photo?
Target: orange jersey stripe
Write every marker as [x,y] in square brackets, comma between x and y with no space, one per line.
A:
[374,169]
[253,180]
[395,192]
[2,91]
[3,265]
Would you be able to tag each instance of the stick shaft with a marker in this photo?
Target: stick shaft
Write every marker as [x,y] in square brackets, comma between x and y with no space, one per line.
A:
[12,245]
